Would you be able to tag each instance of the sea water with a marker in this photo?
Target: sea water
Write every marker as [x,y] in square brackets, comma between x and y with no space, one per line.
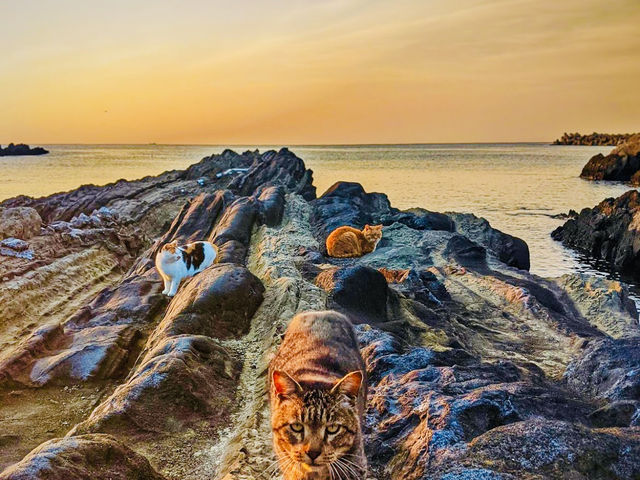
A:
[519,188]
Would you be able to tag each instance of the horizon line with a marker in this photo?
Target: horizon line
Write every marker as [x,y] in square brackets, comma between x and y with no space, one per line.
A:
[297,144]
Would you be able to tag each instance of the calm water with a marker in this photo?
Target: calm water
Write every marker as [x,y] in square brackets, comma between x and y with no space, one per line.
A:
[517,187]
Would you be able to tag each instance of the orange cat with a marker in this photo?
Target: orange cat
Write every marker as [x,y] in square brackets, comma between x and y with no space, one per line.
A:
[345,242]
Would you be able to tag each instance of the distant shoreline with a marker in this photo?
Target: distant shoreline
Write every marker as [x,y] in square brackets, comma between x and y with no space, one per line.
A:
[20,150]
[593,139]
[290,145]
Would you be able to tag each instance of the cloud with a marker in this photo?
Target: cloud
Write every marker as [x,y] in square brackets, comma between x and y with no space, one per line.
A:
[302,71]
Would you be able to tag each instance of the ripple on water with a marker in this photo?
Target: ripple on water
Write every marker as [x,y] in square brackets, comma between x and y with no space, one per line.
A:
[517,187]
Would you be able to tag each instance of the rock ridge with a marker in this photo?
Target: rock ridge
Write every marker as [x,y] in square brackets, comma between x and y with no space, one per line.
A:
[478,369]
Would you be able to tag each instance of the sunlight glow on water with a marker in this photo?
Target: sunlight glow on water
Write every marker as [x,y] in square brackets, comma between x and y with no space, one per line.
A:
[514,186]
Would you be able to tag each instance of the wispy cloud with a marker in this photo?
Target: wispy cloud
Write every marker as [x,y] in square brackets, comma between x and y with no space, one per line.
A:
[304,71]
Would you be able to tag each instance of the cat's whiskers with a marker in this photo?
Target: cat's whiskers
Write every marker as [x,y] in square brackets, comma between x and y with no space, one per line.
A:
[284,467]
[278,466]
[272,466]
[348,468]
[336,471]
[350,462]
[340,467]
[326,399]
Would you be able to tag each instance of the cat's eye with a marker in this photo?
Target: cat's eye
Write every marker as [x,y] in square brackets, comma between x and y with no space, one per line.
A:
[296,427]
[333,429]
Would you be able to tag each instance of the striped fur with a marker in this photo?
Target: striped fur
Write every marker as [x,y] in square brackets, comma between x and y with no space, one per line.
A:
[318,394]
[346,242]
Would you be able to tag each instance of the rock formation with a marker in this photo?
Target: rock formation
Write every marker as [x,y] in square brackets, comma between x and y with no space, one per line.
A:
[622,164]
[19,222]
[592,139]
[609,231]
[477,368]
[21,149]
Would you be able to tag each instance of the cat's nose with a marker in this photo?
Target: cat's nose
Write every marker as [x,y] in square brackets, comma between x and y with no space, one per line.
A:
[313,454]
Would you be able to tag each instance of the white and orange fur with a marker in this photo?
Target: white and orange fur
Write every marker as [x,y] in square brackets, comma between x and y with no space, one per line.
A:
[176,263]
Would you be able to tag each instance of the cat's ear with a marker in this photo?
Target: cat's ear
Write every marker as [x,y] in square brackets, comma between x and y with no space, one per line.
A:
[285,384]
[170,246]
[349,384]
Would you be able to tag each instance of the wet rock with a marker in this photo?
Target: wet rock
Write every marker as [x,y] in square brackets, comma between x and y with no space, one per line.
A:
[421,219]
[510,250]
[346,203]
[231,251]
[135,300]
[236,222]
[466,252]
[621,164]
[196,219]
[609,231]
[276,168]
[99,457]
[19,222]
[271,206]
[219,302]
[611,167]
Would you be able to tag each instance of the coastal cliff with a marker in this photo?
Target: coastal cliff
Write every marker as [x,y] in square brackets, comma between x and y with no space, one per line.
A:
[477,368]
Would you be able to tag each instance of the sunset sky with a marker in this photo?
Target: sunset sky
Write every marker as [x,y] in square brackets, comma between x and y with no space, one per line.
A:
[316,71]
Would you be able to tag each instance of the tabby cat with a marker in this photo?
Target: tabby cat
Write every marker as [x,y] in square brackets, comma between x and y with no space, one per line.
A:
[345,242]
[175,263]
[318,393]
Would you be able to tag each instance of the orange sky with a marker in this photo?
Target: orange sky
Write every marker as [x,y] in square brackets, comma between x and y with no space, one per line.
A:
[317,71]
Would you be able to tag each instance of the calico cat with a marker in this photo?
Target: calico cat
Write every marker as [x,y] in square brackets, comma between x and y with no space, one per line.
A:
[317,393]
[175,263]
[345,242]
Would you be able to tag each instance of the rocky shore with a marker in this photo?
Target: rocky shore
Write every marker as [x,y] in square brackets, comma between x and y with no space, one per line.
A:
[592,139]
[478,369]
[610,231]
[21,149]
[622,164]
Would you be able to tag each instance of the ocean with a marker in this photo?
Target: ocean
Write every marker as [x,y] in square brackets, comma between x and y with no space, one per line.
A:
[517,187]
